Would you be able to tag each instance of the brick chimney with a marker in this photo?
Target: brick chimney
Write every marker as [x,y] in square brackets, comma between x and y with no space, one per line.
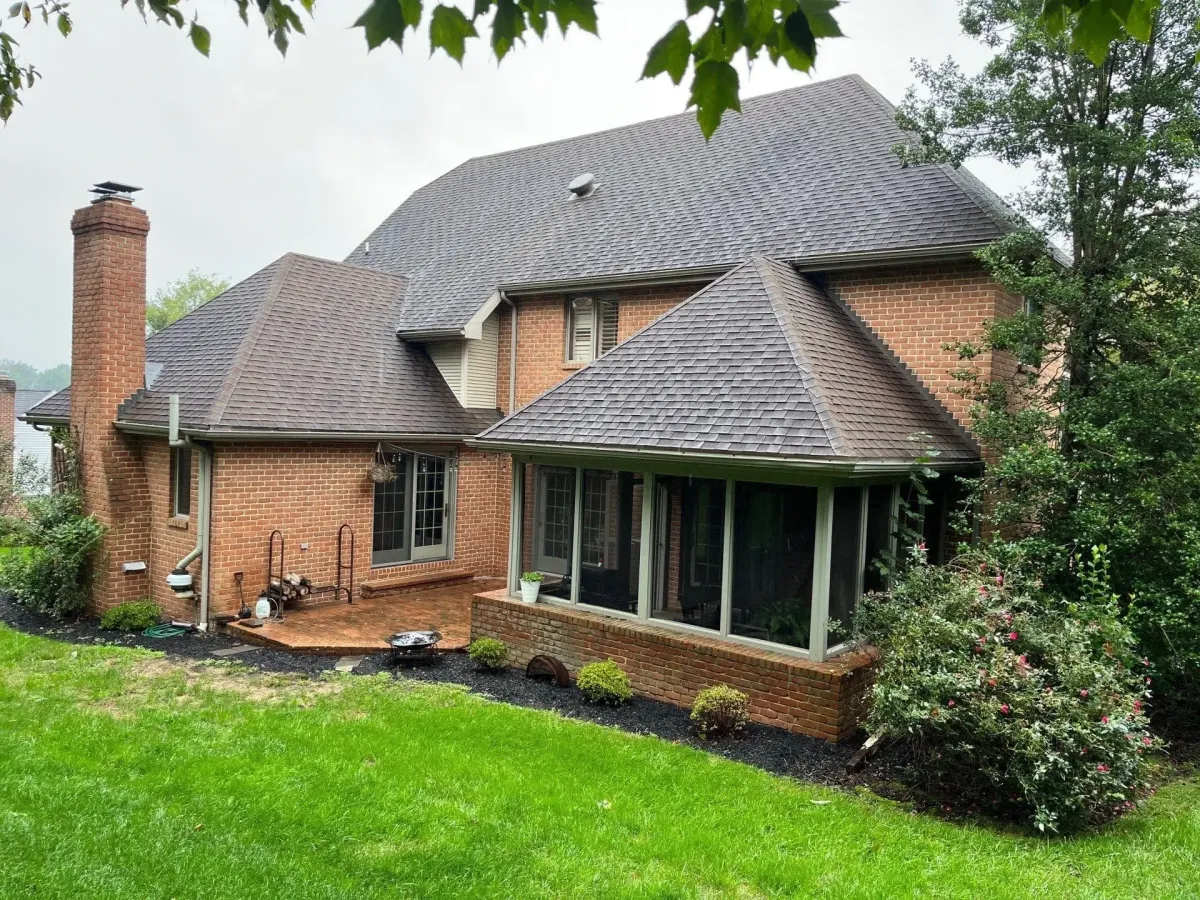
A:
[108,363]
[8,413]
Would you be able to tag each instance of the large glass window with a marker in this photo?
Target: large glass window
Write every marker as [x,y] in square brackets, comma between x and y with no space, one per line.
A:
[686,559]
[845,563]
[552,523]
[181,482]
[774,533]
[880,528]
[611,539]
[591,328]
[412,513]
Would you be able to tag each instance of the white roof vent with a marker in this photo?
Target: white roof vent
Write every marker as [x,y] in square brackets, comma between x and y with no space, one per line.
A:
[583,185]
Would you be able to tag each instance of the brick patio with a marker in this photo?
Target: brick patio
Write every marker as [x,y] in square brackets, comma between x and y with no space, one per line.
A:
[362,626]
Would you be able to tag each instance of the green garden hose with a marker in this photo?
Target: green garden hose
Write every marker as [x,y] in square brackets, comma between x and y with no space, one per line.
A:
[163,631]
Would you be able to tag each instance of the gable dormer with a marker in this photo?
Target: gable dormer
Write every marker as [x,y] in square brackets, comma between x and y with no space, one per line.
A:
[468,365]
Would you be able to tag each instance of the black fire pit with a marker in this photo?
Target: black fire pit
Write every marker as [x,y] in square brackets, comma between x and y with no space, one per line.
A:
[414,646]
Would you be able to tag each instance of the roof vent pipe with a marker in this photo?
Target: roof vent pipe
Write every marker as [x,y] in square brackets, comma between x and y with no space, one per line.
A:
[583,185]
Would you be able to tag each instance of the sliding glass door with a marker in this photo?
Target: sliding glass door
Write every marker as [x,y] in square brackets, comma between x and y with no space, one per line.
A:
[412,513]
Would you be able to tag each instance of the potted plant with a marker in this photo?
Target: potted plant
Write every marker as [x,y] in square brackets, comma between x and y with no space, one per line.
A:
[531,583]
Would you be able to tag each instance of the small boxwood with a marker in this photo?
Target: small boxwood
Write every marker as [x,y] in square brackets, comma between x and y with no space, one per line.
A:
[720,710]
[488,653]
[604,682]
[137,615]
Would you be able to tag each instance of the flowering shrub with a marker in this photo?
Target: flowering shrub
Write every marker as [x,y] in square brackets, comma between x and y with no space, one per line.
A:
[1008,697]
[604,682]
[720,710]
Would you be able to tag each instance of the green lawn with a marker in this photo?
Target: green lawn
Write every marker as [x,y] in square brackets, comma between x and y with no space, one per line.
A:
[122,776]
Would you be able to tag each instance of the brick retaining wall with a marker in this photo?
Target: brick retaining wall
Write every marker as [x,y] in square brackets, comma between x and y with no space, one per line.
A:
[818,699]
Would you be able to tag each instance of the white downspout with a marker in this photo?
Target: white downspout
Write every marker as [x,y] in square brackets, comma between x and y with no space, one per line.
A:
[512,355]
[203,511]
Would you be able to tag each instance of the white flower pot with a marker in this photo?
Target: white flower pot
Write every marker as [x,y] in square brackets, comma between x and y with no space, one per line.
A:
[529,590]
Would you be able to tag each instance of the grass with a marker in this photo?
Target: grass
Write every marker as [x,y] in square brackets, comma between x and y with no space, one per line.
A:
[125,776]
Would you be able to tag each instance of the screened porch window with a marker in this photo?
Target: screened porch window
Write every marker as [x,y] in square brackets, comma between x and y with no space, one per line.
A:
[412,514]
[689,540]
[591,328]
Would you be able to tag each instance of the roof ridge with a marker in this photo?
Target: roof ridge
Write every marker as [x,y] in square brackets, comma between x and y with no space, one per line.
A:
[249,340]
[764,265]
[906,372]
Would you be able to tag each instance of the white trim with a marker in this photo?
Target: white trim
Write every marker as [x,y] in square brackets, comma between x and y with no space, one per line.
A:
[646,556]
[473,330]
[822,551]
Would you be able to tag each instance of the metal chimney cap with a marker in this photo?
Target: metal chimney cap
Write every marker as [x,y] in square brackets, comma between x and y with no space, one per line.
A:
[583,185]
[115,189]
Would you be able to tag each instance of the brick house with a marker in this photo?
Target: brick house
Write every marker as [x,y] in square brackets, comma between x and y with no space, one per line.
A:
[688,390]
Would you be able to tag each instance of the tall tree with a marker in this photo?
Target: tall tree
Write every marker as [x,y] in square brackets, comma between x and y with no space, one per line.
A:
[785,30]
[1096,440]
[180,297]
[32,378]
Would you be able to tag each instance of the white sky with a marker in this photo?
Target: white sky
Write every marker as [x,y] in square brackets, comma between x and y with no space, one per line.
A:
[244,156]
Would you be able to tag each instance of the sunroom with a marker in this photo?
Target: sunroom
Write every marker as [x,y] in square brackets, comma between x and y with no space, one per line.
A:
[731,473]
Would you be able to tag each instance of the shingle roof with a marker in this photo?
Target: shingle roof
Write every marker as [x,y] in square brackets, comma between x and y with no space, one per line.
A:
[27,398]
[800,175]
[54,409]
[761,362]
[305,345]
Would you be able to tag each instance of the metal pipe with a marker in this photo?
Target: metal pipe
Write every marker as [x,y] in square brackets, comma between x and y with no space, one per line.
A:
[205,525]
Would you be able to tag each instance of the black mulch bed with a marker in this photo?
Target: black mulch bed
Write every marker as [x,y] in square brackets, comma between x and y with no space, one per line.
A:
[764,747]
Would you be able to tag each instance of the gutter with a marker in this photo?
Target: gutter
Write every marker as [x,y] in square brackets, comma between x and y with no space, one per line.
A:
[258,434]
[831,465]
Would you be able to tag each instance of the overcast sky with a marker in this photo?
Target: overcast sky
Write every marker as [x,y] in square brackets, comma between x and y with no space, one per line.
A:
[245,156]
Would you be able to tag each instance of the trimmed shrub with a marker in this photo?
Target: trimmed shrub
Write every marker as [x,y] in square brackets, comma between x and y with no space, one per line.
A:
[137,615]
[720,710]
[54,575]
[1008,697]
[604,682]
[488,653]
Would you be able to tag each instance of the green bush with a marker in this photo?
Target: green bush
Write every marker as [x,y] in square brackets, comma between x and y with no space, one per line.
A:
[137,615]
[54,574]
[604,682]
[720,710]
[1010,698]
[488,653]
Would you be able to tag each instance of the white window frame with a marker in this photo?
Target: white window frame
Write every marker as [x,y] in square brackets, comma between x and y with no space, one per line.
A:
[449,508]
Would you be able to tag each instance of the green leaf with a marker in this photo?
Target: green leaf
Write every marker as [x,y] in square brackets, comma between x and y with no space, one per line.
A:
[714,90]
[386,20]
[449,29]
[1095,30]
[508,25]
[578,12]
[799,33]
[1140,21]
[820,17]
[670,54]
[64,24]
[201,39]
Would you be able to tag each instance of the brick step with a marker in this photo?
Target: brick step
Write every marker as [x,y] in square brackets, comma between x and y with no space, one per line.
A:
[403,583]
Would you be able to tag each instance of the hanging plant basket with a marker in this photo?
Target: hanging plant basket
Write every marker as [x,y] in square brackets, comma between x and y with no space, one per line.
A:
[381,473]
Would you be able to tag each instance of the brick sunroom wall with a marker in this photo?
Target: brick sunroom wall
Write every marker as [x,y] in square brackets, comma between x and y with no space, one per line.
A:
[917,309]
[308,490]
[822,700]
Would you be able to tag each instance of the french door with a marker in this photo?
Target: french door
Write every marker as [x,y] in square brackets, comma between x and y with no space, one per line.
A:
[555,520]
[430,510]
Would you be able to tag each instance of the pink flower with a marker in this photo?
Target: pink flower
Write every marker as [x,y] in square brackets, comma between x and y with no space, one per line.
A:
[1145,661]
[991,682]
[949,702]
[1102,768]
[1000,579]
[1004,708]
[1012,635]
[1148,681]
[921,546]
[1083,693]
[1147,740]
[983,567]
[1084,750]
[1008,617]
[1104,719]
[1022,660]
[1137,705]
[983,590]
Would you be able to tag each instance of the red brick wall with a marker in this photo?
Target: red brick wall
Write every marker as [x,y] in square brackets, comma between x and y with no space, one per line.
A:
[308,490]
[541,335]
[818,699]
[108,357]
[171,539]
[917,309]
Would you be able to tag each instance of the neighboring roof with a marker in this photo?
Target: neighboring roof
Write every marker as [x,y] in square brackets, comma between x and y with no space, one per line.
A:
[55,409]
[28,398]
[800,175]
[759,363]
[304,346]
